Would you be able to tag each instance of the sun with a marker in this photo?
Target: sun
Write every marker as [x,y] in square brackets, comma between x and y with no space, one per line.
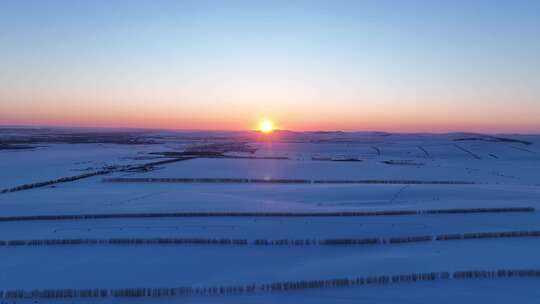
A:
[266,126]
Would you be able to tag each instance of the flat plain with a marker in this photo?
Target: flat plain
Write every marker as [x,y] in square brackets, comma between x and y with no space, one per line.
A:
[241,217]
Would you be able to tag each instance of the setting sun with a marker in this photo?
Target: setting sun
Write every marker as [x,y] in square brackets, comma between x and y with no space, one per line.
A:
[266,126]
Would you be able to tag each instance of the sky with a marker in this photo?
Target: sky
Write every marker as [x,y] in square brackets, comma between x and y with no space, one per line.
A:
[398,66]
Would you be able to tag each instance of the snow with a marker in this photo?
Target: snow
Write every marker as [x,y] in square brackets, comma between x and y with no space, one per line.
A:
[505,174]
[53,161]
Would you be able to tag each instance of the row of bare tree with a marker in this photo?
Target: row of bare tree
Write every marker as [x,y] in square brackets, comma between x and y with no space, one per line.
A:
[54,181]
[261,214]
[269,287]
[106,170]
[277,242]
[277,181]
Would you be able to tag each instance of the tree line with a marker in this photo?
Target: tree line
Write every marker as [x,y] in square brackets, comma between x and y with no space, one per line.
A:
[55,181]
[277,181]
[270,242]
[262,214]
[106,170]
[278,286]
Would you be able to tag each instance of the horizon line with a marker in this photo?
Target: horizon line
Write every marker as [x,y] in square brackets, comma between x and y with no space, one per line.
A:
[29,126]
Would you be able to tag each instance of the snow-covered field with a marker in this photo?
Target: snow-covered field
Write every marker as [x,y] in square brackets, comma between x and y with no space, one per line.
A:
[503,172]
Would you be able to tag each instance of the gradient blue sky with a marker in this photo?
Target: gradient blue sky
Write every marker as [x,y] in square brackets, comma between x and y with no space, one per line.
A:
[308,65]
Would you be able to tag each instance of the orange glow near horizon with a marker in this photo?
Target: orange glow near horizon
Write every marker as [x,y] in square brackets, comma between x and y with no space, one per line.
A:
[300,124]
[293,118]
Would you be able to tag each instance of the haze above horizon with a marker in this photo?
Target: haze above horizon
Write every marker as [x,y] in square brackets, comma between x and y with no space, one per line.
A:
[396,66]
